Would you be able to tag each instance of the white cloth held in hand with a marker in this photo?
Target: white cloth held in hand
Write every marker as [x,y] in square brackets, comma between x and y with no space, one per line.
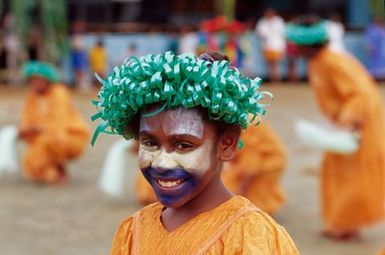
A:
[116,171]
[327,137]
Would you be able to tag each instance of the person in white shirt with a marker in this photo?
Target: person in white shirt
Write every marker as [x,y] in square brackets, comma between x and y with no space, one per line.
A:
[336,31]
[271,30]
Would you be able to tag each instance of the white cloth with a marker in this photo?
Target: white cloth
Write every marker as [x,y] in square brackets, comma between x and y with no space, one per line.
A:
[116,175]
[8,155]
[272,33]
[327,137]
[336,33]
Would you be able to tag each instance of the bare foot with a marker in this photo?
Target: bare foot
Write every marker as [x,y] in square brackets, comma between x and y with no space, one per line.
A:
[56,176]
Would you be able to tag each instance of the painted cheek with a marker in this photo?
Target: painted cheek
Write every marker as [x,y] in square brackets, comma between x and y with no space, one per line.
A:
[196,162]
[165,160]
[146,158]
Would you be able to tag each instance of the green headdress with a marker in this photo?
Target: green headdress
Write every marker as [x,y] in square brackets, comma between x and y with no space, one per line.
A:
[173,81]
[307,34]
[43,69]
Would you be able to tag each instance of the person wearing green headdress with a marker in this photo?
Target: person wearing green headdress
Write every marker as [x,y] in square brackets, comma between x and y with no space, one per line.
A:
[352,185]
[53,129]
[187,114]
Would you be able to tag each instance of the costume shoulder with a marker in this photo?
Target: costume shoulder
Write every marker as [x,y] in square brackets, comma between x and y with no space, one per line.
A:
[60,89]
[255,232]
[122,242]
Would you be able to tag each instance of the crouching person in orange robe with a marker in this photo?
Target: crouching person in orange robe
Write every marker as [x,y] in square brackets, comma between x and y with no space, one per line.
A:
[53,129]
[352,185]
[181,154]
[256,170]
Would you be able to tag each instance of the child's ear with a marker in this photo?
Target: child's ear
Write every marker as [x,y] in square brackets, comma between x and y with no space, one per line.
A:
[228,144]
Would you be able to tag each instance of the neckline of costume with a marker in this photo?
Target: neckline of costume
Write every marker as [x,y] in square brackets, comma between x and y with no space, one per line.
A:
[162,228]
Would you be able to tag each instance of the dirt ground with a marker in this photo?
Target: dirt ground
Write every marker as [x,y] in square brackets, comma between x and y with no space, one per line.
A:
[77,219]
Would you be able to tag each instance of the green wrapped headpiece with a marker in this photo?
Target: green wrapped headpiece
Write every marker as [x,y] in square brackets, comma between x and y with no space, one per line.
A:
[172,81]
[302,34]
[42,69]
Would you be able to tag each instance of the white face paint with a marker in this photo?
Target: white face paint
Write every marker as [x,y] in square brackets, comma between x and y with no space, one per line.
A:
[195,162]
[178,122]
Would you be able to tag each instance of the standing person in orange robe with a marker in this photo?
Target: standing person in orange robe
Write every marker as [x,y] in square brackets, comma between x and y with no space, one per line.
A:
[181,154]
[53,129]
[256,170]
[352,185]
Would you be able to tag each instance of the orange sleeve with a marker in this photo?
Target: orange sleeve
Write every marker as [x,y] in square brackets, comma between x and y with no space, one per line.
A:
[122,242]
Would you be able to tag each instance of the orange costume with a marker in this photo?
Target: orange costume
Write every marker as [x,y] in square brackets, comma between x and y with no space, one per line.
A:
[352,185]
[227,229]
[263,159]
[62,133]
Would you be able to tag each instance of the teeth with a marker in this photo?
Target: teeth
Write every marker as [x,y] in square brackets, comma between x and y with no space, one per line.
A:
[169,184]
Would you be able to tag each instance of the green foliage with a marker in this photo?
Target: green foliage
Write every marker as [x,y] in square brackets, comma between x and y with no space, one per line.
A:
[53,24]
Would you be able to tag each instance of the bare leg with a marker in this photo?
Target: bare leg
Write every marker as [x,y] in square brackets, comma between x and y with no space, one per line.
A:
[274,71]
[292,71]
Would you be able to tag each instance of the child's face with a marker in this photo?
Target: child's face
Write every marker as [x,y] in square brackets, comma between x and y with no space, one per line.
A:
[177,154]
[38,84]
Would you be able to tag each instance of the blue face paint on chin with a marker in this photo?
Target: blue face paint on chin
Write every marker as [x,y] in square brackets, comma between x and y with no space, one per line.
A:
[171,186]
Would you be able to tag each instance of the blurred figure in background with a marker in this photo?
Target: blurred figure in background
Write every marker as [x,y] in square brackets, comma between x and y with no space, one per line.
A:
[336,32]
[54,130]
[208,40]
[98,59]
[79,58]
[130,51]
[3,58]
[256,170]
[34,40]
[271,29]
[292,59]
[375,41]
[188,41]
[232,45]
[352,185]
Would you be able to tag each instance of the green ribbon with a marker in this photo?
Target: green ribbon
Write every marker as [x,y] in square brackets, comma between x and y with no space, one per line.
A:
[174,81]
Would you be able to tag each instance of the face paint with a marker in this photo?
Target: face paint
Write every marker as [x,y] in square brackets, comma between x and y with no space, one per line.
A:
[195,162]
[180,122]
[176,175]
[170,186]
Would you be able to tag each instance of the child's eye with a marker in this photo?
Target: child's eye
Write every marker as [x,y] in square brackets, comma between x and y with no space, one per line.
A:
[183,146]
[150,144]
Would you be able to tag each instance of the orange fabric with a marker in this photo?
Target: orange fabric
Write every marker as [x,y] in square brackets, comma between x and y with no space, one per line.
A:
[272,55]
[263,159]
[144,193]
[352,185]
[63,133]
[235,227]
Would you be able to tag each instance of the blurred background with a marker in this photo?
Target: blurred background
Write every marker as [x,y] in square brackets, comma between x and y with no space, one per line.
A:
[83,37]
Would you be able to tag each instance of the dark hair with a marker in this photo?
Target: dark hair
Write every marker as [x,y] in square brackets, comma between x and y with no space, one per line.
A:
[220,126]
